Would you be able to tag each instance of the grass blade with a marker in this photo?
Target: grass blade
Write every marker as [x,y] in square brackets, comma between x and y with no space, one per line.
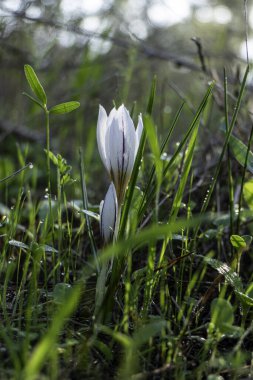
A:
[150,194]
[152,172]
[130,191]
[228,135]
[47,344]
[86,206]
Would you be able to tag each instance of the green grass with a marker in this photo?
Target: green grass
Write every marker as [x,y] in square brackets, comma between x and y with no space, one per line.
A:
[177,301]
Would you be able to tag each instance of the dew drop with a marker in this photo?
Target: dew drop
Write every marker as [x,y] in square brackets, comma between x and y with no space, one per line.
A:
[164,156]
[30,166]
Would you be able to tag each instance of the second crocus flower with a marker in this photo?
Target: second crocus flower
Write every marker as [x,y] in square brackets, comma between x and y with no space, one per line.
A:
[109,215]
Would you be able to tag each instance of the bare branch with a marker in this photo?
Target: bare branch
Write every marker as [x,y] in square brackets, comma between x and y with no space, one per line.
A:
[20,131]
[140,45]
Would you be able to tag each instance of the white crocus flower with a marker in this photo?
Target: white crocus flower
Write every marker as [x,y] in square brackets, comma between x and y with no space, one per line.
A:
[118,143]
[108,214]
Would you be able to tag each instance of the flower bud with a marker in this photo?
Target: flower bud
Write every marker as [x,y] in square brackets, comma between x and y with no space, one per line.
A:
[108,214]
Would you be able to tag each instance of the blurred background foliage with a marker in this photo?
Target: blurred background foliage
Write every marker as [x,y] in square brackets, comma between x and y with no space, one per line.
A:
[100,52]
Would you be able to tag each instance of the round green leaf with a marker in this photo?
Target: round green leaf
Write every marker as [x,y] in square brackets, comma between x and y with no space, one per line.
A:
[61,292]
[222,315]
[247,239]
[237,241]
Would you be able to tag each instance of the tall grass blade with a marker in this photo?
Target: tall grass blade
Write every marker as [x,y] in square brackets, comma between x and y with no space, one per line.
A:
[228,135]
[45,346]
[230,176]
[152,172]
[144,237]
[150,194]
[86,207]
[131,187]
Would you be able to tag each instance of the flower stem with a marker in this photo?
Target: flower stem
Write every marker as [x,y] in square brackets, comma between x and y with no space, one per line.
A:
[117,224]
[48,150]
[59,215]
[50,218]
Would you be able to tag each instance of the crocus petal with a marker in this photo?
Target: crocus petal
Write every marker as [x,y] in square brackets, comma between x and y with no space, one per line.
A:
[108,214]
[101,135]
[124,120]
[138,132]
[114,145]
[112,115]
[129,139]
[120,142]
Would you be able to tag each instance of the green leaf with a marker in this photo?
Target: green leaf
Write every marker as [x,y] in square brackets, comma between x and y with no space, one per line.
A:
[91,214]
[245,299]
[18,244]
[231,277]
[214,377]
[52,157]
[247,239]
[145,332]
[35,84]
[222,315]
[66,179]
[239,150]
[49,249]
[62,108]
[222,220]
[44,210]
[237,241]
[209,234]
[249,290]
[61,292]
[248,193]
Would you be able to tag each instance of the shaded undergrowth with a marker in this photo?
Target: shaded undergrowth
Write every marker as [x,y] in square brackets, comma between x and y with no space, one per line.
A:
[178,300]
